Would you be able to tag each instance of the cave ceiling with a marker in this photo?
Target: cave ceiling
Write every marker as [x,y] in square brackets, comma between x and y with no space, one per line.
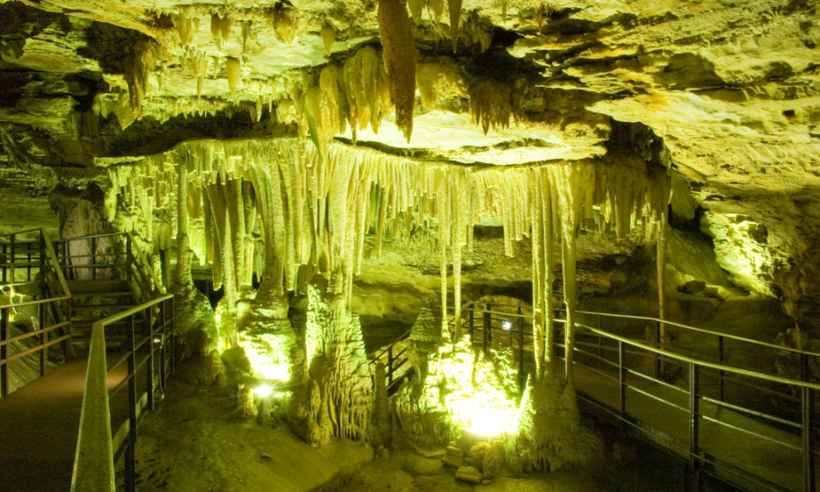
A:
[728,89]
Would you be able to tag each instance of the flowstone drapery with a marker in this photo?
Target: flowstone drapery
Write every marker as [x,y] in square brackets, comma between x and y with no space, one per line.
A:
[333,389]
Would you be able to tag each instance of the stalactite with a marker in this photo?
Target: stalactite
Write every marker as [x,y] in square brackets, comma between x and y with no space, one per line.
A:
[491,104]
[328,37]
[399,51]
[197,64]
[416,7]
[454,8]
[247,34]
[220,28]
[185,26]
[183,278]
[233,69]
[285,23]
[366,88]
[142,60]
[315,211]
[436,8]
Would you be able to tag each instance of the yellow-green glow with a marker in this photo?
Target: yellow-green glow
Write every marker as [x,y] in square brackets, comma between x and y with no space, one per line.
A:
[471,392]
[263,391]
[268,357]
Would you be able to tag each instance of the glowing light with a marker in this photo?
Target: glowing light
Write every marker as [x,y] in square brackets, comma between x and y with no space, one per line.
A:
[263,391]
[506,325]
[475,395]
[268,357]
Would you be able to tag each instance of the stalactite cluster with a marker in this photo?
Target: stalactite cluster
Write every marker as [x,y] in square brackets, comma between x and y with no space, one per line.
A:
[141,62]
[186,26]
[196,62]
[221,26]
[491,104]
[438,81]
[315,211]
[354,93]
[285,23]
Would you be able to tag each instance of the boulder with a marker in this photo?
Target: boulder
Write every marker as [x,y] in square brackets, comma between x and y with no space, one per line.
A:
[468,474]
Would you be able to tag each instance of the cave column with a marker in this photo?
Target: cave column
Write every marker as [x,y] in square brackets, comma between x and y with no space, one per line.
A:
[183,278]
[568,265]
[661,266]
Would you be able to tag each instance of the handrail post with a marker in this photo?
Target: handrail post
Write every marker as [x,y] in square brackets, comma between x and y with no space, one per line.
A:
[93,258]
[471,322]
[658,344]
[42,256]
[13,259]
[621,380]
[65,259]
[163,309]
[721,374]
[173,335]
[4,368]
[487,328]
[130,457]
[41,316]
[390,366]
[128,254]
[521,375]
[5,258]
[149,328]
[807,431]
[28,261]
[694,427]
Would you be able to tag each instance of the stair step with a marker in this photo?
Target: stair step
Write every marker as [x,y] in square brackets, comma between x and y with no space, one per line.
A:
[107,287]
[120,307]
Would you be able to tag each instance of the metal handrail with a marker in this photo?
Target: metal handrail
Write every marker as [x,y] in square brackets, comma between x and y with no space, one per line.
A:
[94,458]
[703,330]
[702,363]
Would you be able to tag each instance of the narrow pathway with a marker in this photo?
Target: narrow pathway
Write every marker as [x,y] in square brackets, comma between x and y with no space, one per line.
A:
[38,428]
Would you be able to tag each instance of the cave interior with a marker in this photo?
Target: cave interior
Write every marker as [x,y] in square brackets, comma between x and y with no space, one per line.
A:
[409,245]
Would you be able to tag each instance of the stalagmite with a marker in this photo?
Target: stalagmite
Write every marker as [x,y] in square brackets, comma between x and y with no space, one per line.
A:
[399,51]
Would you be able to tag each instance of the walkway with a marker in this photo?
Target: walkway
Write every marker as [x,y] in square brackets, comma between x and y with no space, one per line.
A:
[38,428]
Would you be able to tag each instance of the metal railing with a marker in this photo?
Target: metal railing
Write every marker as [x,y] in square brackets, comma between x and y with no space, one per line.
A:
[145,358]
[96,256]
[21,266]
[616,358]
[396,363]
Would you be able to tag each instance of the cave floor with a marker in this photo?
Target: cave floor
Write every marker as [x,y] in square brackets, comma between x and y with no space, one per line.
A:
[197,441]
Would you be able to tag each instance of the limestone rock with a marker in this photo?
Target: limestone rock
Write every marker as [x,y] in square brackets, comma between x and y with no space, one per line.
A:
[454,457]
[468,474]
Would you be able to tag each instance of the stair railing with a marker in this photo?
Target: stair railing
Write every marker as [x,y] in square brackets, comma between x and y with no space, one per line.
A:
[19,265]
[146,360]
[97,261]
